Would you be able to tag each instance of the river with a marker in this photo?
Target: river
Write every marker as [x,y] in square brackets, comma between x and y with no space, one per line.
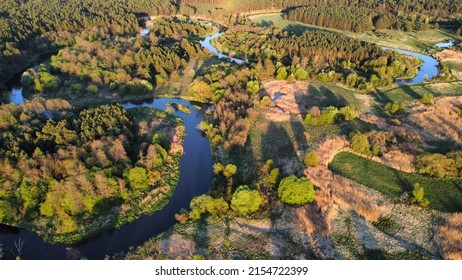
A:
[195,179]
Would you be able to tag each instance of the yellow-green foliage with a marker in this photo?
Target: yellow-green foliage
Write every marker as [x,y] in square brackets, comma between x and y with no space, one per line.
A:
[246,201]
[296,191]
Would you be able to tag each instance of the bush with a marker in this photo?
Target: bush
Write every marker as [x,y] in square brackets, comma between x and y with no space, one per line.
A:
[394,108]
[92,89]
[245,201]
[296,191]
[427,99]
[311,159]
[137,178]
[360,143]
[418,195]
[273,177]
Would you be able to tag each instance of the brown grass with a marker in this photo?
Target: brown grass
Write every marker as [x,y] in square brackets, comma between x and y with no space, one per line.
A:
[334,191]
[286,106]
[440,119]
[449,237]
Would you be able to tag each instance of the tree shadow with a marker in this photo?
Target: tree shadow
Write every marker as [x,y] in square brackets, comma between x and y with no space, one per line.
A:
[202,238]
[265,23]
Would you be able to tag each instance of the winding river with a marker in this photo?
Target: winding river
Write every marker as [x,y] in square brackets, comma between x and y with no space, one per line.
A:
[195,179]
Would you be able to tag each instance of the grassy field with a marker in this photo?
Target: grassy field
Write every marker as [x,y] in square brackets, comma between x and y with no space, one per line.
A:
[420,41]
[444,194]
[408,93]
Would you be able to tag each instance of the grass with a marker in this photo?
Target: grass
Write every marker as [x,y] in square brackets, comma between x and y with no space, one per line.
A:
[421,41]
[444,194]
[408,93]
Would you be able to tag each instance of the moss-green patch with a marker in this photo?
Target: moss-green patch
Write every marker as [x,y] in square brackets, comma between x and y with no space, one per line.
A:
[444,194]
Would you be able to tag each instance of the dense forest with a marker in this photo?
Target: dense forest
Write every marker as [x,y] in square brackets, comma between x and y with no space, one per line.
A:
[327,56]
[39,26]
[133,65]
[61,169]
[356,19]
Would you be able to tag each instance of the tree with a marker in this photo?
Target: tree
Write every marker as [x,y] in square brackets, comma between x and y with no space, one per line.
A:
[273,177]
[296,191]
[5,210]
[360,143]
[418,194]
[311,159]
[137,178]
[246,201]
[427,99]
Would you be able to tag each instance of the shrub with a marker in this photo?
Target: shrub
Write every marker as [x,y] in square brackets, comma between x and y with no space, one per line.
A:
[427,99]
[296,191]
[418,195]
[92,89]
[246,201]
[137,178]
[394,108]
[273,177]
[360,143]
[311,159]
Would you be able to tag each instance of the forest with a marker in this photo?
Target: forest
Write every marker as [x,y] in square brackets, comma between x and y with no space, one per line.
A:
[325,56]
[356,19]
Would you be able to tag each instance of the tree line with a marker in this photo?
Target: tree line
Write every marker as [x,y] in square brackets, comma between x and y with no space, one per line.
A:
[325,56]
[356,19]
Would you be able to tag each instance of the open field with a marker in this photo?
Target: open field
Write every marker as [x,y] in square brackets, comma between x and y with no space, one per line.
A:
[408,93]
[441,119]
[444,194]
[420,41]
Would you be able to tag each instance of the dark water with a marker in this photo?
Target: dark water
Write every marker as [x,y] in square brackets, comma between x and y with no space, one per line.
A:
[195,179]
[428,69]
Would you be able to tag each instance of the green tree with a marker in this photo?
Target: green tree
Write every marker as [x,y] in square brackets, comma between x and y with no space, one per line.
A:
[138,178]
[273,177]
[296,191]
[311,159]
[418,195]
[360,143]
[6,210]
[427,99]
[246,201]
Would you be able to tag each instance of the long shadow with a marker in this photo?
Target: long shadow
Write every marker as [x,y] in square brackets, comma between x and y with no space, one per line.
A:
[276,144]
[332,99]
[265,23]
[412,93]
[298,130]
[202,238]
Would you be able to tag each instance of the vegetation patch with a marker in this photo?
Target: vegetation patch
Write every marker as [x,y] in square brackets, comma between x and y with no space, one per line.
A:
[74,174]
[444,194]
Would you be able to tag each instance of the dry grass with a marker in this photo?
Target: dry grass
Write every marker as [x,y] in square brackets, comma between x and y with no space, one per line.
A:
[452,57]
[440,119]
[335,191]
[450,237]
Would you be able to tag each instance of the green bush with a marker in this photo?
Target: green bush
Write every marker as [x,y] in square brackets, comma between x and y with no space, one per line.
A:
[418,195]
[296,191]
[246,201]
[427,99]
[273,177]
[360,143]
[311,159]
[138,178]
